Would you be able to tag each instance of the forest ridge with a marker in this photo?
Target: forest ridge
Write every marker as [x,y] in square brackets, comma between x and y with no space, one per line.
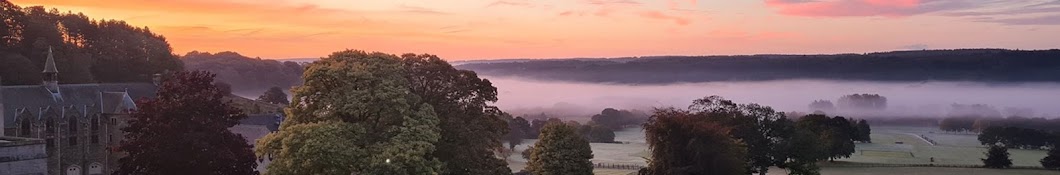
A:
[984,65]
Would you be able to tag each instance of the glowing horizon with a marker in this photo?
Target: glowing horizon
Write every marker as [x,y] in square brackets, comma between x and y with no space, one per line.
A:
[494,29]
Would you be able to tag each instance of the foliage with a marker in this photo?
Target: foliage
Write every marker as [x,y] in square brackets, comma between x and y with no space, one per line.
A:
[975,123]
[991,65]
[247,75]
[225,88]
[1052,160]
[864,132]
[759,127]
[274,95]
[862,102]
[997,157]
[185,131]
[600,134]
[535,128]
[684,143]
[560,151]
[518,129]
[1015,137]
[835,132]
[470,128]
[617,119]
[86,50]
[823,106]
[360,103]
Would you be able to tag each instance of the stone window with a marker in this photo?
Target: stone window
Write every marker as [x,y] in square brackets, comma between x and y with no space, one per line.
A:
[95,139]
[95,124]
[73,141]
[73,125]
[26,128]
[49,126]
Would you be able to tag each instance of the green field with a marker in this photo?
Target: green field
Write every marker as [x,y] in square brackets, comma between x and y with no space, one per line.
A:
[951,149]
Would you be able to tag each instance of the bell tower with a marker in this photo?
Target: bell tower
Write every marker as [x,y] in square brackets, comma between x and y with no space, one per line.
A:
[50,74]
[51,77]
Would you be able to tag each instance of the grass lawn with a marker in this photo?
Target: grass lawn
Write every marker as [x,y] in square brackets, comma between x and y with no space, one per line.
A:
[956,149]
[952,148]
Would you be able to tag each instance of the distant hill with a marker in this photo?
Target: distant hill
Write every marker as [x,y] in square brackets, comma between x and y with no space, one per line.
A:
[985,65]
[249,77]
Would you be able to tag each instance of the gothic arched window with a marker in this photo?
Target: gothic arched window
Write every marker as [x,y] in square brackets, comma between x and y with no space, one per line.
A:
[73,125]
[49,126]
[26,127]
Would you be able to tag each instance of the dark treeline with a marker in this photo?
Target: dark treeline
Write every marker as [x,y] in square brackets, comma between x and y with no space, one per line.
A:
[1016,137]
[992,65]
[600,129]
[85,50]
[718,136]
[853,104]
[251,76]
[979,124]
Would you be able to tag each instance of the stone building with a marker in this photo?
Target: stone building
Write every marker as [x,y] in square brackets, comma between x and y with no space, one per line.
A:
[78,123]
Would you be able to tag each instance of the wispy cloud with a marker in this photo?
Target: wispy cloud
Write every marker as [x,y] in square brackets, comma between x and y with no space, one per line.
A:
[662,16]
[420,10]
[518,3]
[1009,12]
[1038,20]
[609,2]
[888,8]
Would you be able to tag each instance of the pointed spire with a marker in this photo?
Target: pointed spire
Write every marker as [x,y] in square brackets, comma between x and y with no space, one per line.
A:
[49,67]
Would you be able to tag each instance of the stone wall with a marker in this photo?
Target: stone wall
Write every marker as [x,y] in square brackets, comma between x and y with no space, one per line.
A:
[22,156]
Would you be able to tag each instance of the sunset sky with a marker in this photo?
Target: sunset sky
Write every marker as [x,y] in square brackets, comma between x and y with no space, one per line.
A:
[490,29]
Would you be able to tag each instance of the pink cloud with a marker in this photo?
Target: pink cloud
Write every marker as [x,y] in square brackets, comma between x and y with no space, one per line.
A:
[889,8]
[661,16]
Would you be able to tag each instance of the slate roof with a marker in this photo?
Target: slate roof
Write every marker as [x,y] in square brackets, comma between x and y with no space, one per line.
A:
[34,97]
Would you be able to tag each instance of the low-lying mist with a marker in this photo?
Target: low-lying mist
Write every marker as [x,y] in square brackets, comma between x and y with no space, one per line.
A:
[904,99]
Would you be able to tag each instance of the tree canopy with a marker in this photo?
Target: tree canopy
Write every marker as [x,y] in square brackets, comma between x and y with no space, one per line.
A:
[185,131]
[560,151]
[682,143]
[274,95]
[85,50]
[1052,159]
[471,130]
[364,117]
[997,157]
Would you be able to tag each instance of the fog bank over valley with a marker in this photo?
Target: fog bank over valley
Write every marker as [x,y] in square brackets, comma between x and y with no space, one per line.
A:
[521,96]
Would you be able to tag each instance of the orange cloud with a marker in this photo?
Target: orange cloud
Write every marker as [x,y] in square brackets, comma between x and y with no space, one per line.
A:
[890,8]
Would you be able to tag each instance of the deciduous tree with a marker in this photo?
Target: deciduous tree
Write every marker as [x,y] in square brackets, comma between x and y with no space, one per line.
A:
[185,131]
[681,143]
[471,130]
[997,157]
[274,95]
[1052,160]
[560,151]
[365,117]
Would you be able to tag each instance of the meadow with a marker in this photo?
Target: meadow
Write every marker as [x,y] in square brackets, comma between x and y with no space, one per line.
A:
[891,146]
